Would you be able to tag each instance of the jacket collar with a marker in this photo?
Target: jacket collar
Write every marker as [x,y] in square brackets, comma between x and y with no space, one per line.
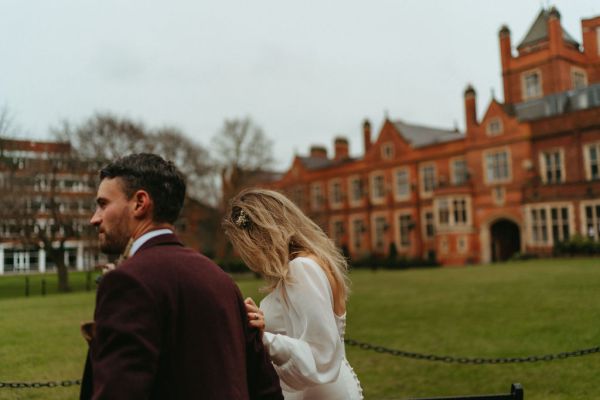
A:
[161,240]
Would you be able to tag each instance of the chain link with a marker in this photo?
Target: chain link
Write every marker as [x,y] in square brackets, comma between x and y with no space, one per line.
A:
[469,360]
[38,385]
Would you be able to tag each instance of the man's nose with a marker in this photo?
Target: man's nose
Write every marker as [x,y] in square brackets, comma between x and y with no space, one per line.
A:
[95,219]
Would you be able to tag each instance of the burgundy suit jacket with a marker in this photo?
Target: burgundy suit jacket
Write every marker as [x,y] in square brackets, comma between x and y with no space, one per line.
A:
[170,324]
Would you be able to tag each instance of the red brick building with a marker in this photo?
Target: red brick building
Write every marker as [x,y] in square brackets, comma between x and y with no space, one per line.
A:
[523,177]
[45,204]
[46,192]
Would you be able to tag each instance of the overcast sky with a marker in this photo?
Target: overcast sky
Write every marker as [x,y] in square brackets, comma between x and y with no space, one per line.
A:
[305,71]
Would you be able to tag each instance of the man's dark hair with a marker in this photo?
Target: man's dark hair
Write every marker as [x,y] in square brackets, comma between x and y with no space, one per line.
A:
[160,178]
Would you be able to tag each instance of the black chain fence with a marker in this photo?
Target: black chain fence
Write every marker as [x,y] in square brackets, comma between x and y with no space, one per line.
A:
[377,349]
[471,360]
[39,385]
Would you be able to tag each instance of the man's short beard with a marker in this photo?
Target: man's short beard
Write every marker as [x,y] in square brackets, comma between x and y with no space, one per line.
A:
[115,243]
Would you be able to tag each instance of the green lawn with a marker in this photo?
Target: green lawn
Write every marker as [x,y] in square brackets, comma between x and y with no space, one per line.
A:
[12,286]
[504,310]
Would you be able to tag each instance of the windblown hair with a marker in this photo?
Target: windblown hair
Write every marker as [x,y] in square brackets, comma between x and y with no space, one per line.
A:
[268,230]
[159,177]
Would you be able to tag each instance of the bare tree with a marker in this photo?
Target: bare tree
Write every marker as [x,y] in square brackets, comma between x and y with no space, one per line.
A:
[242,145]
[192,159]
[104,137]
[46,201]
[7,123]
[243,153]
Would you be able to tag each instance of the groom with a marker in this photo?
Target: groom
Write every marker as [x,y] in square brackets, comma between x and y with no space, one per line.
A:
[169,323]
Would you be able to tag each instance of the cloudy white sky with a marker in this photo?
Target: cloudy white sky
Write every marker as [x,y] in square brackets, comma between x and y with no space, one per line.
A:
[304,71]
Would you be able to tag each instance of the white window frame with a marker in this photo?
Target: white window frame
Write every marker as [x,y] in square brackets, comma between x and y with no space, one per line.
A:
[524,88]
[595,222]
[485,164]
[454,171]
[546,224]
[490,129]
[377,193]
[354,200]
[379,226]
[399,234]
[452,209]
[356,238]
[578,71]
[425,221]
[337,236]
[316,196]
[336,197]
[387,151]
[404,195]
[588,161]
[560,167]
[427,192]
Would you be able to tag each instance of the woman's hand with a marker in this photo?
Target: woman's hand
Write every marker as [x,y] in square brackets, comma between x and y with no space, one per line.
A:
[256,318]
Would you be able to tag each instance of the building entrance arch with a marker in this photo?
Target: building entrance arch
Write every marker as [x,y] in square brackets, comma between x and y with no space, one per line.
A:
[505,240]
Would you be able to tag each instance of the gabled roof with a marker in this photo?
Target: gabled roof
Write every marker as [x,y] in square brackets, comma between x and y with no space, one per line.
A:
[539,31]
[418,135]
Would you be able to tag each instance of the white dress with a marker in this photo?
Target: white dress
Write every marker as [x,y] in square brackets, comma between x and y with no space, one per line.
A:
[304,337]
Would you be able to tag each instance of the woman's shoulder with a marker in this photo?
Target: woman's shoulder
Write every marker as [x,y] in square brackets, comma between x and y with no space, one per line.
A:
[303,262]
[306,267]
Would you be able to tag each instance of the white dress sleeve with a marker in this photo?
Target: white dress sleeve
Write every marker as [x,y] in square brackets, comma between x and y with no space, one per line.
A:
[311,352]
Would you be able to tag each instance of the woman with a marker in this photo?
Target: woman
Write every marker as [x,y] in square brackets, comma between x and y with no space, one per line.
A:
[305,310]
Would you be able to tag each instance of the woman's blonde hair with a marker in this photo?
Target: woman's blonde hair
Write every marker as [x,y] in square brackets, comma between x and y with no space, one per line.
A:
[268,230]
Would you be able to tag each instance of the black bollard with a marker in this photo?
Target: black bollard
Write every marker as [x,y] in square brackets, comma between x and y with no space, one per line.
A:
[26,286]
[43,287]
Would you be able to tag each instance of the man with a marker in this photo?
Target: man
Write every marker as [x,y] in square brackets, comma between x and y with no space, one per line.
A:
[169,323]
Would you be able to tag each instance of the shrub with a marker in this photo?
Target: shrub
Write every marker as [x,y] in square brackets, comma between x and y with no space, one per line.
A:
[577,245]
[374,262]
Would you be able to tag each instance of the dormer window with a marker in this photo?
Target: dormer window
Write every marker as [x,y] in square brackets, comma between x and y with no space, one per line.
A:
[387,151]
[532,85]
[494,127]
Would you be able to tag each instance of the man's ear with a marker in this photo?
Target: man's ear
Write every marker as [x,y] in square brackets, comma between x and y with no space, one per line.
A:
[142,204]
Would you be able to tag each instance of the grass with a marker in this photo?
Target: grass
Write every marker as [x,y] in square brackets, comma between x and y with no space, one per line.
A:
[12,286]
[504,310]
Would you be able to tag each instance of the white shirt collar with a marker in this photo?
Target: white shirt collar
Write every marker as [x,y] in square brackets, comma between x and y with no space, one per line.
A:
[145,237]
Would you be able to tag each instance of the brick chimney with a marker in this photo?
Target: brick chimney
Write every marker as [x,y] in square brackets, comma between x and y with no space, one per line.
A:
[342,149]
[318,151]
[367,135]
[470,108]
[506,58]
[591,38]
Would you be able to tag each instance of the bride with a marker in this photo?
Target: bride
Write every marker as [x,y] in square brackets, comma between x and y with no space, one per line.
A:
[304,315]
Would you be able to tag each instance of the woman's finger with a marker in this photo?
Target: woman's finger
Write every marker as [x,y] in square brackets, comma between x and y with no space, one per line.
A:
[249,300]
